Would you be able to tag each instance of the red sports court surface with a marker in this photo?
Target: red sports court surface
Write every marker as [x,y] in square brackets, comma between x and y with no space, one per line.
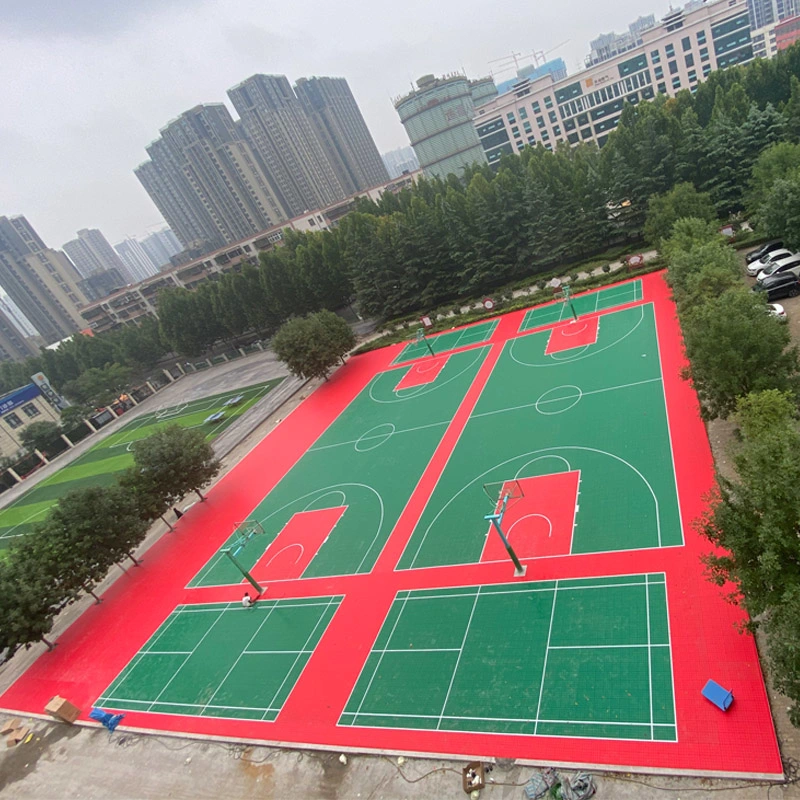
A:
[357,624]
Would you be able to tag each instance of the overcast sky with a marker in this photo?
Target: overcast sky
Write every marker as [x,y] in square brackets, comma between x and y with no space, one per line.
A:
[86,84]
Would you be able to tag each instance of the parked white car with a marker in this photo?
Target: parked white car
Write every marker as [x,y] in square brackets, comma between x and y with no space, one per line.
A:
[775,255]
[777,310]
[785,264]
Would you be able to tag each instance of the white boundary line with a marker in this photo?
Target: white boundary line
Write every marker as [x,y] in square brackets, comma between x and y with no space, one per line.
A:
[480,351]
[476,592]
[460,653]
[110,699]
[501,464]
[669,430]
[300,653]
[544,662]
[580,357]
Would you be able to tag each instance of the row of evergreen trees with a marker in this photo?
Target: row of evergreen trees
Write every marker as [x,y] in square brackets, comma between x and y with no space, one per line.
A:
[445,240]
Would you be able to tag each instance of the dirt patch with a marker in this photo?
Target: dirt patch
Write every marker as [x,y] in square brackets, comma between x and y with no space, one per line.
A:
[48,743]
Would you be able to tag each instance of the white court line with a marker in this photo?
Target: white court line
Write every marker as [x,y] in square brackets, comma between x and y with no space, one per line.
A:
[546,652]
[555,363]
[378,436]
[460,653]
[545,450]
[605,647]
[241,610]
[524,720]
[239,657]
[380,659]
[669,430]
[649,656]
[297,657]
[487,592]
[480,352]
[558,400]
[194,649]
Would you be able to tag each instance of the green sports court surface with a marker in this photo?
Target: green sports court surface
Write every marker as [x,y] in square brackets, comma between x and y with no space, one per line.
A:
[574,657]
[391,617]
[100,464]
[246,660]
[588,303]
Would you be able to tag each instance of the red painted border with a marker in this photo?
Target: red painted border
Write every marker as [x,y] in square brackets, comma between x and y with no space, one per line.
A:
[704,643]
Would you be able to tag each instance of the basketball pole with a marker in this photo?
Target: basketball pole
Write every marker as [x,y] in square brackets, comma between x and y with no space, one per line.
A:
[568,300]
[250,579]
[496,520]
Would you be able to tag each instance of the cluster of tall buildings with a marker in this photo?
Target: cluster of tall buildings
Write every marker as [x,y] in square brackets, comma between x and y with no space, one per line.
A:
[217,180]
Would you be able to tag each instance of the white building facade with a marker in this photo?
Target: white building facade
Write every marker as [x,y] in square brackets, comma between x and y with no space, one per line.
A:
[676,54]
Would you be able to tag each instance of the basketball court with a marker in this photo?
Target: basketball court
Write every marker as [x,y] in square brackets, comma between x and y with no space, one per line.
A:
[475,544]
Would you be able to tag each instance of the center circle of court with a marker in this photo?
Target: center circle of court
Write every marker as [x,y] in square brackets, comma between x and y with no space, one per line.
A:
[559,399]
[374,437]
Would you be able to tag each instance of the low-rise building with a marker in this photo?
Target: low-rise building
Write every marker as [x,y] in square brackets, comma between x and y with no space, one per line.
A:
[18,409]
[129,305]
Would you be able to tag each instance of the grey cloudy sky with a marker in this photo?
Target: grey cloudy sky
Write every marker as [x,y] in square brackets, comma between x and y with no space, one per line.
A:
[86,84]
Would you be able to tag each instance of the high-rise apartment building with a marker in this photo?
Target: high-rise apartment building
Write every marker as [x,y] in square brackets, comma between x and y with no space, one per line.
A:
[14,345]
[160,246]
[43,283]
[677,53]
[401,160]
[91,253]
[206,181]
[169,188]
[764,13]
[437,116]
[276,124]
[137,263]
[336,118]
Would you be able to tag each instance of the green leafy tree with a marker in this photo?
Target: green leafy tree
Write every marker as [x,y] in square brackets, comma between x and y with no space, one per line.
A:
[311,345]
[734,348]
[40,435]
[27,604]
[753,520]
[98,386]
[772,164]
[177,459]
[153,499]
[664,210]
[73,416]
[779,215]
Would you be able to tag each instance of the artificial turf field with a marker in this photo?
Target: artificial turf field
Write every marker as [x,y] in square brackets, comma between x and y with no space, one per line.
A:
[101,463]
[392,619]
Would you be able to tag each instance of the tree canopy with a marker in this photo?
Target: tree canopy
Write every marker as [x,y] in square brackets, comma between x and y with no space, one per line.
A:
[311,345]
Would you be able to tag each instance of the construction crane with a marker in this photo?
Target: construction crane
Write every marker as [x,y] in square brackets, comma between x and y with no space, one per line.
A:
[508,62]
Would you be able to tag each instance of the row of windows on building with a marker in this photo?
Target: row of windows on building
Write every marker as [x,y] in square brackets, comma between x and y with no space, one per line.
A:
[30,411]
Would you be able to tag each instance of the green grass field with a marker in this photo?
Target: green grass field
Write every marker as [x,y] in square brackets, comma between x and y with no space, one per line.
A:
[99,465]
